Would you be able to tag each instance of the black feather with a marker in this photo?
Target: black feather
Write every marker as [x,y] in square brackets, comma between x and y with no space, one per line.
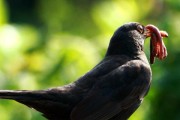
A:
[112,90]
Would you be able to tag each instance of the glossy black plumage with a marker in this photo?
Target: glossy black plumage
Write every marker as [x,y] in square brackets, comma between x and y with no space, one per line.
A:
[112,90]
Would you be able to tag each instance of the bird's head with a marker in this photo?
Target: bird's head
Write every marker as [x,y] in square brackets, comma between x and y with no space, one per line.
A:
[129,40]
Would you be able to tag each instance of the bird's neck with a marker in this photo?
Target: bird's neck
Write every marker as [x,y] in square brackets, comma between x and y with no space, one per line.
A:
[117,48]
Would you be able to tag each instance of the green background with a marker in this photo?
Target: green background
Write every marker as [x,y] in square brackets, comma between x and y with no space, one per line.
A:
[49,43]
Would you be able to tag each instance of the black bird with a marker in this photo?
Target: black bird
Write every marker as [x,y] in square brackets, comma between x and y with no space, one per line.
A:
[112,90]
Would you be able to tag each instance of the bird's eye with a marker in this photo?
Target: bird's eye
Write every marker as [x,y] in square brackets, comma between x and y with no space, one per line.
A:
[140,28]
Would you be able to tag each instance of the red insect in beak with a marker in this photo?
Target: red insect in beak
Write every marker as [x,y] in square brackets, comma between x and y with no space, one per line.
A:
[157,47]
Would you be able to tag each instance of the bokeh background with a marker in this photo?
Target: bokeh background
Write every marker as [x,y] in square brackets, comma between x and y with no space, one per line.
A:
[48,43]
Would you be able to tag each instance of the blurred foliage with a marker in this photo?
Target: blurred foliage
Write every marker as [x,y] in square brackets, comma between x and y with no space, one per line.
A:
[47,43]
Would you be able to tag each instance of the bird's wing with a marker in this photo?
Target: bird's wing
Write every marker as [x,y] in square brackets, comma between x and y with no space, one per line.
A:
[114,92]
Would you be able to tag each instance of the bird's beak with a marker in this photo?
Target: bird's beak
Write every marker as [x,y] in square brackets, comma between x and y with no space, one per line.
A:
[147,33]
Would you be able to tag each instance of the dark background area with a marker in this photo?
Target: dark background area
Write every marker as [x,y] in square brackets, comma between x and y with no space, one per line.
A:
[47,43]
